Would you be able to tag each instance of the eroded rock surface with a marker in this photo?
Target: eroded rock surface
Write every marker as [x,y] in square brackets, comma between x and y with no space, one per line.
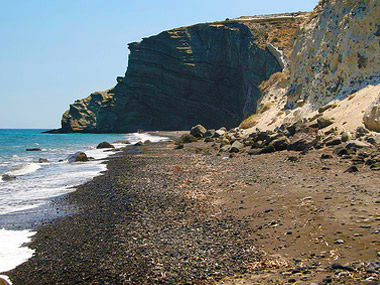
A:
[206,73]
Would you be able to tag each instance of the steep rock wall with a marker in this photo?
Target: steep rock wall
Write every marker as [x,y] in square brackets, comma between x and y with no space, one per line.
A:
[206,73]
[83,113]
[336,54]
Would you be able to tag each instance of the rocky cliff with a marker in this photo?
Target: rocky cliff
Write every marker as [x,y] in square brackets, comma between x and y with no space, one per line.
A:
[206,73]
[332,72]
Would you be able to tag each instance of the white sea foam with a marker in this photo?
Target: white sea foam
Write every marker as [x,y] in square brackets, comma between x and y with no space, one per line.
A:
[15,157]
[12,251]
[24,169]
[36,183]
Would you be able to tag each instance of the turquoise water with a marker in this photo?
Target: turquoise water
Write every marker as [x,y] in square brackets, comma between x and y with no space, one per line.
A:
[13,142]
[36,182]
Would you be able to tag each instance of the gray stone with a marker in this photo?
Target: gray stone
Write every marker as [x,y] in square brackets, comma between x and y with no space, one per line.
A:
[104,145]
[206,73]
[78,157]
[198,131]
[219,133]
[324,123]
[280,144]
[356,144]
[351,169]
[7,177]
[210,133]
[34,149]
[334,142]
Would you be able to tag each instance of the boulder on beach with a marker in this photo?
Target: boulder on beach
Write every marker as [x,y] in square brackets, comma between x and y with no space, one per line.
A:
[186,138]
[7,177]
[198,131]
[78,157]
[34,149]
[105,145]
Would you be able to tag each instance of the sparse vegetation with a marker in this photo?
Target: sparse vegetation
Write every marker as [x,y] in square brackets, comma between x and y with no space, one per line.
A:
[250,122]
[187,138]
[266,107]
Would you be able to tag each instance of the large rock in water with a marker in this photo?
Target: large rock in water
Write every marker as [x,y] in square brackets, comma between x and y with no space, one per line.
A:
[105,145]
[78,157]
[207,74]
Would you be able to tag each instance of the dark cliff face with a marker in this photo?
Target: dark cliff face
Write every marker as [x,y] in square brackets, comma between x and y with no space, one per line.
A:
[206,73]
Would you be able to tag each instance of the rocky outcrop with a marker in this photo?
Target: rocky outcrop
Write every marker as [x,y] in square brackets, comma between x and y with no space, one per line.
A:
[372,116]
[206,73]
[336,53]
[82,115]
[335,62]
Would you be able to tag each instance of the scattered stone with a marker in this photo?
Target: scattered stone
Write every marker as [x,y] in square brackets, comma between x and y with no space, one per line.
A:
[34,149]
[236,147]
[43,160]
[140,143]
[104,145]
[361,132]
[351,169]
[179,146]
[280,144]
[324,123]
[334,141]
[327,279]
[225,148]
[326,156]
[209,133]
[356,144]
[198,131]
[325,108]
[293,158]
[7,177]
[268,149]
[208,140]
[339,241]
[340,151]
[346,136]
[336,266]
[219,133]
[78,157]
[186,138]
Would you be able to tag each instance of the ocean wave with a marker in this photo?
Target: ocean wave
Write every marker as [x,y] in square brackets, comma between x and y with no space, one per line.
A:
[15,157]
[24,169]
[12,253]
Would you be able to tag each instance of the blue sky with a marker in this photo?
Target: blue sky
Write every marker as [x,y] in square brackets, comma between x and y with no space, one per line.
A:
[53,52]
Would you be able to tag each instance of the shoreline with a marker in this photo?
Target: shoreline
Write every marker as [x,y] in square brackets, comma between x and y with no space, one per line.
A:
[199,216]
[114,213]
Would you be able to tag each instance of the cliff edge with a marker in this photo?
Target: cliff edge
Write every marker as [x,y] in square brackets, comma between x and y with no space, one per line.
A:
[206,73]
[333,71]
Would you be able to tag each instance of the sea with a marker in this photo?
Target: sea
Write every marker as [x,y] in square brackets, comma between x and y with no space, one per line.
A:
[36,185]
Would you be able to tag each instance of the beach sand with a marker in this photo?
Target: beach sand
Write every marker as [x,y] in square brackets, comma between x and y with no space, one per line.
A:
[195,216]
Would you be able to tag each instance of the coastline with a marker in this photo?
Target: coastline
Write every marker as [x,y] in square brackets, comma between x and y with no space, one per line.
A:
[123,230]
[195,215]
